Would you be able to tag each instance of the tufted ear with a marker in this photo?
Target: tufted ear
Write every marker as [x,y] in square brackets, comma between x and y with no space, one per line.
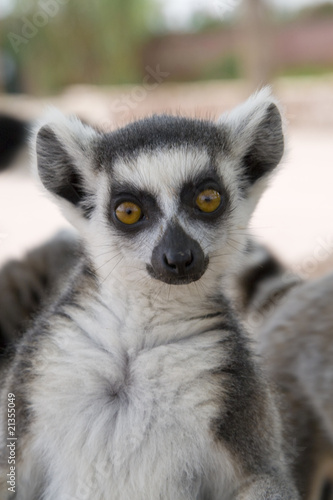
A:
[64,150]
[256,136]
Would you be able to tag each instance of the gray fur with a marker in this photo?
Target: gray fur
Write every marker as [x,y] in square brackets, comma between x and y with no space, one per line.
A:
[292,321]
[128,387]
[260,284]
[26,285]
[296,343]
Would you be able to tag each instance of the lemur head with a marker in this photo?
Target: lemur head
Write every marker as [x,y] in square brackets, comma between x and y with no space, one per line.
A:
[166,198]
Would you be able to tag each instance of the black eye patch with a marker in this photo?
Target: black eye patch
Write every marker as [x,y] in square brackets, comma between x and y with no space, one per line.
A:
[126,193]
[192,190]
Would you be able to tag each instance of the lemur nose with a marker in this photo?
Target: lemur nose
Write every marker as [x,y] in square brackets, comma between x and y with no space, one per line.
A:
[178,261]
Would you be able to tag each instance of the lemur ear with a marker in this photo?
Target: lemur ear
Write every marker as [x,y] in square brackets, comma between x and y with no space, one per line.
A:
[256,135]
[64,149]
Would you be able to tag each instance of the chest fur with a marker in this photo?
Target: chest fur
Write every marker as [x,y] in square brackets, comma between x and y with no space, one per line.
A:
[131,420]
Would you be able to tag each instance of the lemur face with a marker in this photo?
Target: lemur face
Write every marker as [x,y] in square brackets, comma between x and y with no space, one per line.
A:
[171,202]
[166,197]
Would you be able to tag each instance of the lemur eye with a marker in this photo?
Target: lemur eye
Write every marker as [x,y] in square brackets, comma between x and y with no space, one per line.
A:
[208,200]
[128,212]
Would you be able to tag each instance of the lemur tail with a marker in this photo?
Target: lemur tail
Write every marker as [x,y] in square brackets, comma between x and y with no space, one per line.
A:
[27,285]
[13,135]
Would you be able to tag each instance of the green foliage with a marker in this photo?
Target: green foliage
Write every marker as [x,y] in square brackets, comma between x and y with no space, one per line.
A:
[311,12]
[320,11]
[227,68]
[307,70]
[82,41]
[203,22]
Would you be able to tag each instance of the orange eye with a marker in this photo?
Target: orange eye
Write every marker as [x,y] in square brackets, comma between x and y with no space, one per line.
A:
[128,212]
[208,200]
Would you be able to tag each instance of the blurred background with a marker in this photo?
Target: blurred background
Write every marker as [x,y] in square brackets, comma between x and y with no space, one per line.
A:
[111,61]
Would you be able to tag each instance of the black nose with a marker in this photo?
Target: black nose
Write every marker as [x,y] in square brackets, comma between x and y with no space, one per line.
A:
[177,258]
[178,261]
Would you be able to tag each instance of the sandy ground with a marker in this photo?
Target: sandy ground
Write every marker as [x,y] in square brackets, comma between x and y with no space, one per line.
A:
[295,215]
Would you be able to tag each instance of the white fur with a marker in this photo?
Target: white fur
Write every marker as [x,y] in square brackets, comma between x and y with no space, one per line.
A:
[133,373]
[113,438]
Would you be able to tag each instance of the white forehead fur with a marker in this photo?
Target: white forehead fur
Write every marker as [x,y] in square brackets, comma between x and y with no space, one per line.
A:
[163,173]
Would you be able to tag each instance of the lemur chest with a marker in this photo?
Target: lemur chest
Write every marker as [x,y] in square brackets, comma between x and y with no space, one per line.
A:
[143,414]
[164,387]
[167,390]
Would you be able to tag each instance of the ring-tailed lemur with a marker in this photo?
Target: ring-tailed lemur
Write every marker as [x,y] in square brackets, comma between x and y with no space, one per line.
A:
[260,284]
[292,321]
[296,345]
[139,382]
[263,285]
[28,284]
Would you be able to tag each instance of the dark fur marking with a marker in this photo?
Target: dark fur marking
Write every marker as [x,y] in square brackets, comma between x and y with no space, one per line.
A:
[23,374]
[243,399]
[62,314]
[254,277]
[58,172]
[30,344]
[151,212]
[327,491]
[29,285]
[206,316]
[190,191]
[267,146]
[158,132]
[243,396]
[276,295]
[3,341]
